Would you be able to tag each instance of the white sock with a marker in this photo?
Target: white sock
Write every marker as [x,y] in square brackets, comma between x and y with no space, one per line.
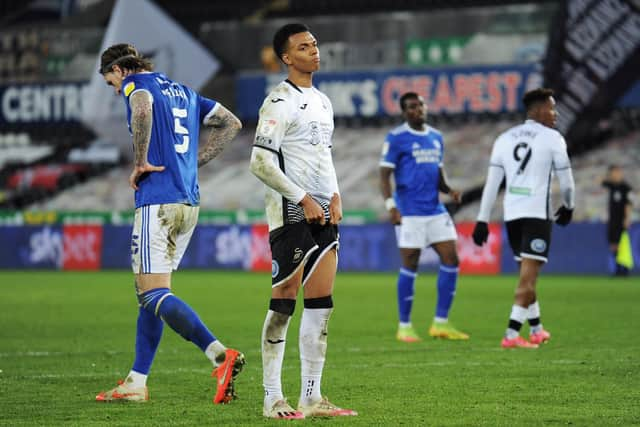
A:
[405,324]
[534,313]
[440,319]
[214,351]
[519,314]
[274,333]
[136,379]
[313,348]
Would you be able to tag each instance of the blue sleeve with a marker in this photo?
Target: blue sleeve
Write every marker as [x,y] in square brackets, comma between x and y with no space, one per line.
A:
[441,149]
[390,153]
[131,85]
[206,105]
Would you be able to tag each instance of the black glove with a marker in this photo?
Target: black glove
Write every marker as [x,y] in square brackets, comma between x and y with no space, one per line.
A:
[563,216]
[480,233]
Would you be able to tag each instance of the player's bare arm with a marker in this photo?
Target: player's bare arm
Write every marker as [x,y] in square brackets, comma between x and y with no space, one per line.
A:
[335,209]
[141,122]
[443,186]
[224,127]
[385,188]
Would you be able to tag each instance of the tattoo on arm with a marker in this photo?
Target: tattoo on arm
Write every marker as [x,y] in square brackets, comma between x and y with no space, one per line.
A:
[224,127]
[141,121]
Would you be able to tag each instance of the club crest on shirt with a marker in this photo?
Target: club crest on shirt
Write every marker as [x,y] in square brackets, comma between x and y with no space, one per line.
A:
[314,131]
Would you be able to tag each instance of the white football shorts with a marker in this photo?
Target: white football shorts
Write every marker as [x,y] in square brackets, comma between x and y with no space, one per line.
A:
[418,232]
[160,236]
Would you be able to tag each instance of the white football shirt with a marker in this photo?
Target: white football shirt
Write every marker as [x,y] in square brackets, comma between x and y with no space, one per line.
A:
[527,155]
[296,125]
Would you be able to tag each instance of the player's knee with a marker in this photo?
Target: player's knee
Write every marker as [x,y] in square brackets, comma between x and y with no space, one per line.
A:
[152,299]
[451,260]
[322,302]
[282,305]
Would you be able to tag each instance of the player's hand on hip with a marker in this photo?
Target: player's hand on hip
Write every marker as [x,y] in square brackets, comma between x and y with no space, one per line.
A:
[563,216]
[335,209]
[480,233]
[138,171]
[313,212]
[456,195]
[396,217]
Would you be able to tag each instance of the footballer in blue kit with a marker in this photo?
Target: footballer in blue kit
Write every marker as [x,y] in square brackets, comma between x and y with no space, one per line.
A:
[413,156]
[174,138]
[164,119]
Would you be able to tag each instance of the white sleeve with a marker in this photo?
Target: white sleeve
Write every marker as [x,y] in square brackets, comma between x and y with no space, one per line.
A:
[266,146]
[263,165]
[490,191]
[272,124]
[562,168]
[567,187]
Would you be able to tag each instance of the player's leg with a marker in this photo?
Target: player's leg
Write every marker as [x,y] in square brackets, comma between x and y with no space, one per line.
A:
[447,284]
[537,238]
[405,293]
[411,239]
[149,327]
[291,247]
[529,240]
[318,280]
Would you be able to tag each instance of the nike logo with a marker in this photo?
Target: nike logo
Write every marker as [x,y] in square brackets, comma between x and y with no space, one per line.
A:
[277,100]
[303,106]
[274,341]
[222,379]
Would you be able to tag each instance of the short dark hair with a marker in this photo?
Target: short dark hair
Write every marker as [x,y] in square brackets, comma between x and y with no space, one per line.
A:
[404,97]
[281,38]
[125,56]
[536,96]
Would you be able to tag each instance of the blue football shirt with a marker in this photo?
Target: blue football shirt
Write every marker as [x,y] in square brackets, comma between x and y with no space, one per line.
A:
[178,112]
[416,157]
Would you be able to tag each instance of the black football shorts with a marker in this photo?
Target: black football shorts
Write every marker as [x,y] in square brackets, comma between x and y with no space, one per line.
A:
[293,245]
[529,238]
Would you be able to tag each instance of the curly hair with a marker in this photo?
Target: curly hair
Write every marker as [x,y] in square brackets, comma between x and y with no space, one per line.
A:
[125,56]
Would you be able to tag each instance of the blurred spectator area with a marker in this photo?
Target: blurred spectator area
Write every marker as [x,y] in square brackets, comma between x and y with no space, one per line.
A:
[492,34]
[227,184]
[49,159]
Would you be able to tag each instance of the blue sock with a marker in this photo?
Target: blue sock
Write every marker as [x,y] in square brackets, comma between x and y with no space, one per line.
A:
[447,279]
[406,278]
[178,315]
[148,334]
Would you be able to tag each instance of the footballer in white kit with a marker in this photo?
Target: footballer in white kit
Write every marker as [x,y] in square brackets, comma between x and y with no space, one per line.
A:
[528,156]
[292,157]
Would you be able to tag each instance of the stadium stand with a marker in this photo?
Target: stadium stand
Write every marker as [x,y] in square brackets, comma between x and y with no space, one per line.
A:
[486,32]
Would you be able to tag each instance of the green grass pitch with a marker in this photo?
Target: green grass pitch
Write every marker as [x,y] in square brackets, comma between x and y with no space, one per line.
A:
[67,336]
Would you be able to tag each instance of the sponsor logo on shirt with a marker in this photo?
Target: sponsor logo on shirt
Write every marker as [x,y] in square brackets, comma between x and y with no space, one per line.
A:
[425,155]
